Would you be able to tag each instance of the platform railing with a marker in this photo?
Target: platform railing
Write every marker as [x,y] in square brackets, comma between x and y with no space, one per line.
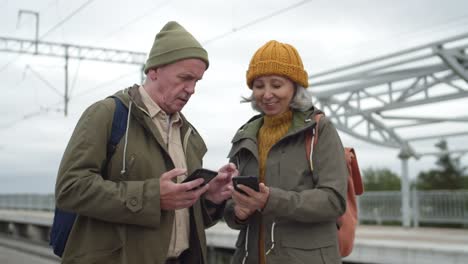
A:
[428,207]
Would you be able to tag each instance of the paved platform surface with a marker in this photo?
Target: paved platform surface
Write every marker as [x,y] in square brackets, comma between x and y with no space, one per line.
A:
[374,244]
[387,244]
[20,251]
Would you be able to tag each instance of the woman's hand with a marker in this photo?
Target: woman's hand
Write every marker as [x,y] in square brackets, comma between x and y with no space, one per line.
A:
[246,205]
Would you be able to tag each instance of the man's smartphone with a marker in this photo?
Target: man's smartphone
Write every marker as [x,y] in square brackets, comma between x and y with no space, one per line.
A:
[249,181]
[205,174]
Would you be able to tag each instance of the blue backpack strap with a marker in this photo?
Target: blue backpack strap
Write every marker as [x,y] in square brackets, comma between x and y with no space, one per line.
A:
[119,125]
[61,227]
[63,221]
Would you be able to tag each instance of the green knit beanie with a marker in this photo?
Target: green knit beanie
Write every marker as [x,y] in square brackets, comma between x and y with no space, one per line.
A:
[174,43]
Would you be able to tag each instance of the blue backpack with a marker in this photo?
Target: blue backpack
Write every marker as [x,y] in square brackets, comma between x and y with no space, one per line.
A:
[63,221]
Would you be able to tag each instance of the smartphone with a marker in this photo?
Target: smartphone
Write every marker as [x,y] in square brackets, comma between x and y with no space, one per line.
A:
[205,174]
[249,181]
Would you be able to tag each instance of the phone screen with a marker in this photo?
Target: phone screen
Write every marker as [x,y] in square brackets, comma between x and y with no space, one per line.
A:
[249,181]
[205,174]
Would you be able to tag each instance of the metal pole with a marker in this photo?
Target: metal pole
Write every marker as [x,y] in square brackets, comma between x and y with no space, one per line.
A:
[37,33]
[415,203]
[405,190]
[36,15]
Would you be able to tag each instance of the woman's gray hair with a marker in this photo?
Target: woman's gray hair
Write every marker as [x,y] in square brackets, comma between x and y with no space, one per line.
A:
[302,100]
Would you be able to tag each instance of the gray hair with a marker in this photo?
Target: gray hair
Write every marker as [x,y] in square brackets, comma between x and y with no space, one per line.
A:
[302,100]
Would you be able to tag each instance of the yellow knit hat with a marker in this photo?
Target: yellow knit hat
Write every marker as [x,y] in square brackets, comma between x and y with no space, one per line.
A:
[277,58]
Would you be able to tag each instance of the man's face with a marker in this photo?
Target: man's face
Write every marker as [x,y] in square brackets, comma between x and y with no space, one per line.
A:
[175,83]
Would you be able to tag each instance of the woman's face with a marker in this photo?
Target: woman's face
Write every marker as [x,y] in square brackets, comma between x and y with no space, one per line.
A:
[273,94]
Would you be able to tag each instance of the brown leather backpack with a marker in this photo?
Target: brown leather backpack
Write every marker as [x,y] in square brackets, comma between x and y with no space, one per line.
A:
[348,221]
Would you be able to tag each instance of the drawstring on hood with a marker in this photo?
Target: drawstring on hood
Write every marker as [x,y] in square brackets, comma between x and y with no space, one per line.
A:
[246,245]
[272,238]
[311,165]
[124,169]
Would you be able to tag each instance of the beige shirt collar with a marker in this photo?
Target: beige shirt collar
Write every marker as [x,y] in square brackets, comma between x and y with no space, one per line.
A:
[170,131]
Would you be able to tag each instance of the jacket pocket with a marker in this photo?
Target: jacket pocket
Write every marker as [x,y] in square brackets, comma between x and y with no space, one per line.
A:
[306,235]
[324,255]
[110,256]
[95,241]
[307,243]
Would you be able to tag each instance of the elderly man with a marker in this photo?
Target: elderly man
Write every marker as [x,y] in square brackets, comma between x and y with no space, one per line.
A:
[134,207]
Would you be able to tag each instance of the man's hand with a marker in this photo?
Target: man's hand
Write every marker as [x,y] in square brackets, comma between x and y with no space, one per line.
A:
[179,195]
[220,188]
[245,205]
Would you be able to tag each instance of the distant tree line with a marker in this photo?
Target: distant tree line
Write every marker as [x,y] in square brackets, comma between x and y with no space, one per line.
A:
[449,174]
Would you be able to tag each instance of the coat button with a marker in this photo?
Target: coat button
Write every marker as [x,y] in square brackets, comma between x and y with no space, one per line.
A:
[133,201]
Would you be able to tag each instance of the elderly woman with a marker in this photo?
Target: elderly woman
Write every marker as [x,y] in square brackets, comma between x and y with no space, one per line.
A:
[292,218]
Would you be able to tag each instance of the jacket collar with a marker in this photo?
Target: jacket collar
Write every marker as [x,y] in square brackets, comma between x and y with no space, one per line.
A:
[302,120]
[143,116]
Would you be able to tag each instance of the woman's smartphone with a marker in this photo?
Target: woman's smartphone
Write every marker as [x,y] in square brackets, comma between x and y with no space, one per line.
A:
[205,174]
[249,181]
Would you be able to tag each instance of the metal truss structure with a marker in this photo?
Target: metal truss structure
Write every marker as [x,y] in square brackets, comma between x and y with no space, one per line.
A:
[374,100]
[69,51]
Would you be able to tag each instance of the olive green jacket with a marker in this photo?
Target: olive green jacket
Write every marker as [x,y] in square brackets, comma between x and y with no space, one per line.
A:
[300,214]
[119,215]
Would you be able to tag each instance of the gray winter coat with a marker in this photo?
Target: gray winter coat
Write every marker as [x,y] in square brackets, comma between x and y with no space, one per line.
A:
[300,215]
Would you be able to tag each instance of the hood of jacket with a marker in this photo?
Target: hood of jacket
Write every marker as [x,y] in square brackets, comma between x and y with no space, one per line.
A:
[302,120]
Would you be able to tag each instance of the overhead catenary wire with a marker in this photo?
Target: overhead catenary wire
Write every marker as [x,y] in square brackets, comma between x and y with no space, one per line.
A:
[51,108]
[60,23]
[30,115]
[42,79]
[255,21]
[6,65]
[136,19]
[412,33]
[72,86]
[106,83]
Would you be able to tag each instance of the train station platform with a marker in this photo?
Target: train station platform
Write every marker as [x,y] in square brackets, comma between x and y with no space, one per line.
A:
[374,244]
[386,244]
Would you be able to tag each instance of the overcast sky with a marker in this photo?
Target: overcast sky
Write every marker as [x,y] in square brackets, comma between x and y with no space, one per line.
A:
[327,33]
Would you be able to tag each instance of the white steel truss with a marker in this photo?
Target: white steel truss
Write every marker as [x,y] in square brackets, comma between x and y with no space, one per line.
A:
[358,97]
